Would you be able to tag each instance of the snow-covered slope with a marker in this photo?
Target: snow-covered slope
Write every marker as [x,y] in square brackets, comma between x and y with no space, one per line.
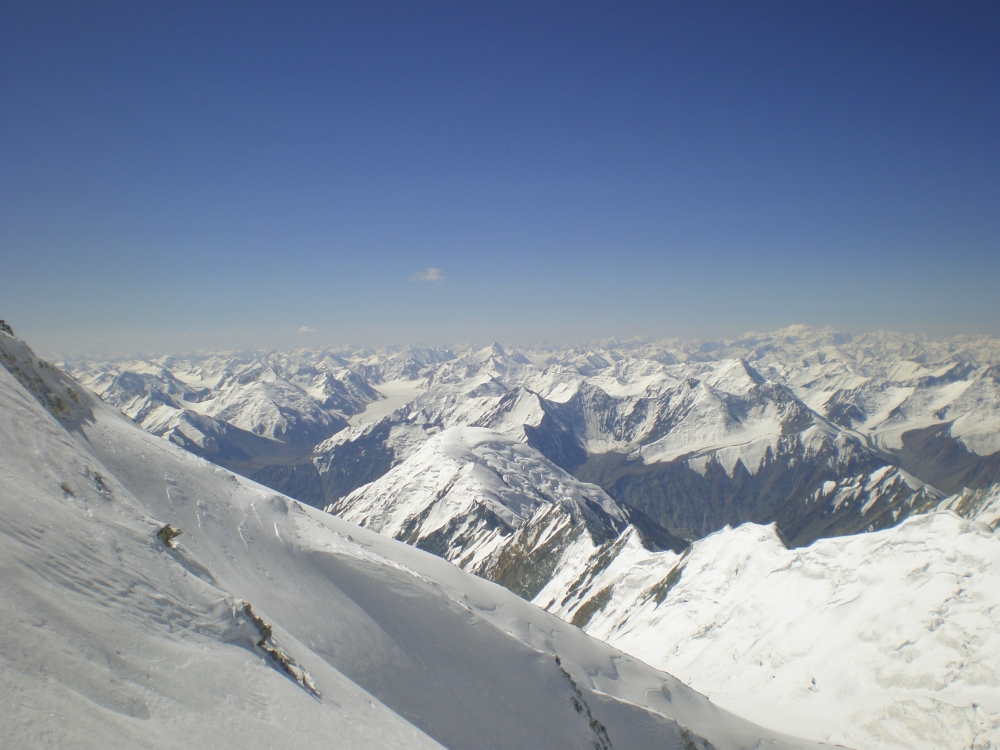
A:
[466,490]
[888,639]
[738,614]
[266,623]
[496,507]
[755,452]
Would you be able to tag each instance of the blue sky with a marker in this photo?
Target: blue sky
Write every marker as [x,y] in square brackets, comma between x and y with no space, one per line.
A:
[178,175]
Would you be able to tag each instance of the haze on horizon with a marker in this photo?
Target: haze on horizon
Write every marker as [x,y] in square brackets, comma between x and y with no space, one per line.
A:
[179,176]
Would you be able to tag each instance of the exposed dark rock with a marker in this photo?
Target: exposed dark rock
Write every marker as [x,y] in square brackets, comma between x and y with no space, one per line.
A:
[691,505]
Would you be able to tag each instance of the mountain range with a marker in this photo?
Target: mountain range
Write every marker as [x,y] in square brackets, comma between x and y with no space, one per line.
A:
[695,434]
[582,478]
[152,599]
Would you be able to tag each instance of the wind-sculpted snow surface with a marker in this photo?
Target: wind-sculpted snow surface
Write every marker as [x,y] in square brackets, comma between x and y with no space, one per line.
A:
[888,639]
[265,623]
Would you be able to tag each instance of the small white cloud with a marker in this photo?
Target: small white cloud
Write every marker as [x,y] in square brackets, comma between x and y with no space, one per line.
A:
[307,329]
[428,274]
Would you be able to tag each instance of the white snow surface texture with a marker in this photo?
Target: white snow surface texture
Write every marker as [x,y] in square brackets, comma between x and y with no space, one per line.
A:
[113,639]
[882,640]
[889,639]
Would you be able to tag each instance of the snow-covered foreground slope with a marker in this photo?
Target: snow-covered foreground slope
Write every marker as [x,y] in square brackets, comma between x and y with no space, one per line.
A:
[896,627]
[881,640]
[270,624]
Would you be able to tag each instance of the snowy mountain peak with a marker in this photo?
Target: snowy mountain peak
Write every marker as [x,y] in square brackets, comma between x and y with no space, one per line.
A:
[466,490]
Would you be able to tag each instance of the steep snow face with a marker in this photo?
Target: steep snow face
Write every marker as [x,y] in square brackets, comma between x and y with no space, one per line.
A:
[270,624]
[491,504]
[888,639]
[464,493]
[111,638]
[734,421]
